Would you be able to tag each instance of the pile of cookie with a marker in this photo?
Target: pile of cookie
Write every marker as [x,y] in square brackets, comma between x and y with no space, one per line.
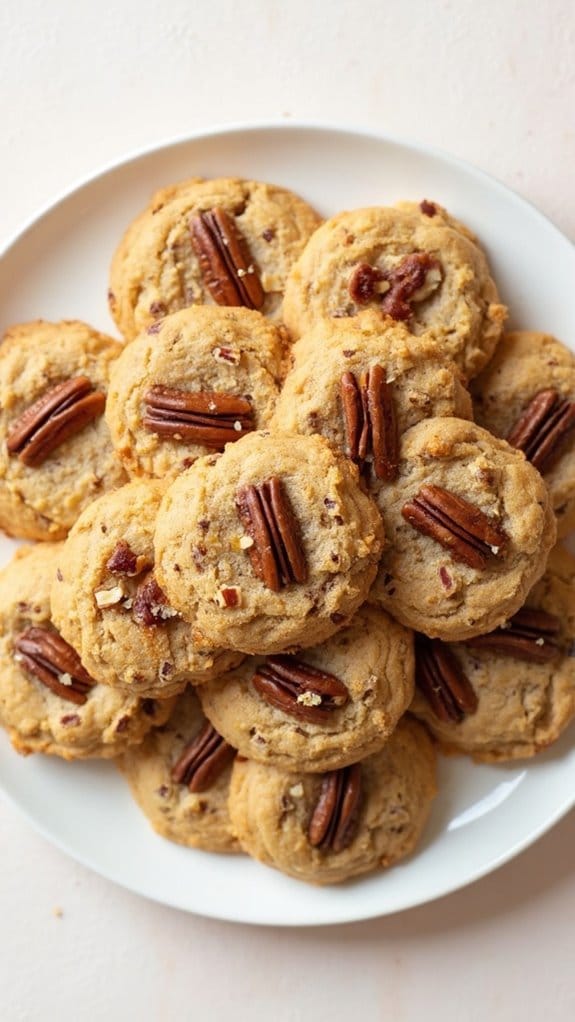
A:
[295,535]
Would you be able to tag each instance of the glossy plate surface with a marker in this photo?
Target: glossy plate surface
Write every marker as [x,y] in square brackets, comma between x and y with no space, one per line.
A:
[57,268]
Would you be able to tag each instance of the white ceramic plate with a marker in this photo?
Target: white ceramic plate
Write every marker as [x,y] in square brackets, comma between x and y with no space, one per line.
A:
[57,268]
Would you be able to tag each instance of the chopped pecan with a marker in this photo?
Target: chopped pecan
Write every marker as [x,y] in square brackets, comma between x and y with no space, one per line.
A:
[543,429]
[530,635]
[441,680]
[58,414]
[151,606]
[203,760]
[227,267]
[299,689]
[370,421]
[123,560]
[464,530]
[428,208]
[365,283]
[204,417]
[414,279]
[44,654]
[335,819]
[277,554]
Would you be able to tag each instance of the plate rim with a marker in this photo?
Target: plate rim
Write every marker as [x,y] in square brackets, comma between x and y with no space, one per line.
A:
[346,131]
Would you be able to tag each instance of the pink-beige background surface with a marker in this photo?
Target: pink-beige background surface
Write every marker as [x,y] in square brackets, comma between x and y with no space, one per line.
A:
[83,85]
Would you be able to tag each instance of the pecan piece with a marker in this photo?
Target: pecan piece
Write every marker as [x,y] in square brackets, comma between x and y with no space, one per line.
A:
[469,535]
[530,635]
[299,689]
[204,417]
[203,760]
[543,429]
[123,560]
[440,678]
[365,283]
[225,261]
[370,421]
[335,819]
[416,278]
[277,554]
[58,414]
[45,655]
[151,606]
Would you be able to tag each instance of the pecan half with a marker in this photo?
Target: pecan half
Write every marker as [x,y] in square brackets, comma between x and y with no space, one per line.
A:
[277,553]
[203,760]
[469,535]
[299,689]
[58,414]
[151,605]
[204,417]
[543,429]
[370,421]
[440,678]
[47,656]
[335,819]
[530,635]
[225,261]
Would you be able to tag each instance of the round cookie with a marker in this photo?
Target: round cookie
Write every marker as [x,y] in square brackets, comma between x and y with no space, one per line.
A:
[528,366]
[369,665]
[225,363]
[409,266]
[386,804]
[522,676]
[108,605]
[55,449]
[470,526]
[270,546]
[66,714]
[333,362]
[162,769]
[226,240]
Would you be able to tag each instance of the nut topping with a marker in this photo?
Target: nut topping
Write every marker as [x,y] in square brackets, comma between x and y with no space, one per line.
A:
[543,429]
[58,414]
[225,261]
[335,819]
[299,689]
[370,421]
[530,635]
[277,554]
[151,606]
[461,528]
[442,681]
[414,279]
[203,760]
[47,657]
[123,560]
[204,417]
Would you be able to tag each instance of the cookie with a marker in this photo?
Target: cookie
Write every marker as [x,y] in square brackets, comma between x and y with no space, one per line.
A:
[180,778]
[199,379]
[412,267]
[527,395]
[48,701]
[224,241]
[325,828]
[269,546]
[55,450]
[107,603]
[470,526]
[323,709]
[508,694]
[351,376]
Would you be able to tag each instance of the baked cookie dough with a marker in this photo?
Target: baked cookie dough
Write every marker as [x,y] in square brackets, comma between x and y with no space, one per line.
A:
[180,778]
[226,241]
[410,266]
[322,709]
[522,676]
[527,395]
[202,378]
[55,450]
[48,702]
[333,382]
[107,603]
[325,828]
[267,547]
[469,524]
